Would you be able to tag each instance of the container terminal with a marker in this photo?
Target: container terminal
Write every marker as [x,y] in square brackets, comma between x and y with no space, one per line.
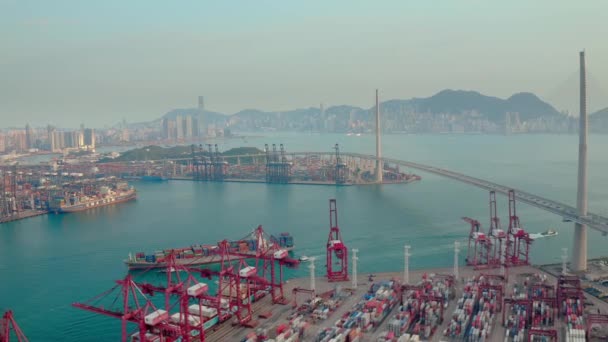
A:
[497,296]
[273,165]
[74,185]
[33,191]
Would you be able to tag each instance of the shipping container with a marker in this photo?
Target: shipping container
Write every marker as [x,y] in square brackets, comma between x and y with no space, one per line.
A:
[156,317]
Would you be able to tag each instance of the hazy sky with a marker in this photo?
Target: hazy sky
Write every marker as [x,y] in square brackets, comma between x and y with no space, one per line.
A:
[95,62]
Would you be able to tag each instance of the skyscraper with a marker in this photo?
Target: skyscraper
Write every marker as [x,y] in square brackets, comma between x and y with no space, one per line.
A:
[165,128]
[50,130]
[29,137]
[89,138]
[188,127]
[180,127]
[201,113]
[196,129]
[19,140]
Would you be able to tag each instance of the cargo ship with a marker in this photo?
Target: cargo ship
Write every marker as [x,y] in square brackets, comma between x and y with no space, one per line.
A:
[203,254]
[73,201]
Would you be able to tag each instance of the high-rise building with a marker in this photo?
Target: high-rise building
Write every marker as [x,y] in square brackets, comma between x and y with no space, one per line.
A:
[165,128]
[57,140]
[179,126]
[29,137]
[125,136]
[187,123]
[2,143]
[201,113]
[196,129]
[89,138]
[50,130]
[20,141]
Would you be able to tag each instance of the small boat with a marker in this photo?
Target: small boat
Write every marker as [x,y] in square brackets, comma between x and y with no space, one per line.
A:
[549,232]
[303,258]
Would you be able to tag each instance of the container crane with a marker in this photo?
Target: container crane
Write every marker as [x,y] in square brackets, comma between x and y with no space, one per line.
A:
[336,248]
[8,327]
[341,169]
[478,253]
[268,255]
[518,240]
[133,307]
[496,233]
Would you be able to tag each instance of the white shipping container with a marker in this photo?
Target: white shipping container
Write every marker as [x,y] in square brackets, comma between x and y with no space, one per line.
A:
[156,317]
[193,320]
[247,271]
[148,338]
[205,311]
[198,289]
[280,254]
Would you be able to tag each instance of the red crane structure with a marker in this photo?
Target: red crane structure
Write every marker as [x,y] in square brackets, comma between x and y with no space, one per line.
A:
[480,246]
[496,233]
[522,303]
[518,240]
[569,287]
[233,292]
[543,293]
[268,255]
[336,247]
[595,320]
[131,306]
[551,334]
[194,308]
[8,327]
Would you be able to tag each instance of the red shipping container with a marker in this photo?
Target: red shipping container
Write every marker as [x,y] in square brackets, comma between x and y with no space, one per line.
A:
[281,328]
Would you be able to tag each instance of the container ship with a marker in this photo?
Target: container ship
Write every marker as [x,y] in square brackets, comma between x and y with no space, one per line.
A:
[74,201]
[203,254]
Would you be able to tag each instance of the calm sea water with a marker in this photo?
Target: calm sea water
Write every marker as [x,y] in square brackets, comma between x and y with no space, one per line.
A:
[48,262]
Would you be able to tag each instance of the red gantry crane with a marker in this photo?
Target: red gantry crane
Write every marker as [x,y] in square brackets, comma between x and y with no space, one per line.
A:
[518,240]
[130,305]
[478,253]
[336,248]
[10,327]
[497,235]
[268,255]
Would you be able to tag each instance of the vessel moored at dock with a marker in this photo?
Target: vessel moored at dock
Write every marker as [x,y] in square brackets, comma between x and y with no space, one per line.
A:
[209,254]
[73,202]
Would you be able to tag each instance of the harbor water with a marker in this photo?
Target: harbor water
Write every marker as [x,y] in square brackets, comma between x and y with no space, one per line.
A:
[48,262]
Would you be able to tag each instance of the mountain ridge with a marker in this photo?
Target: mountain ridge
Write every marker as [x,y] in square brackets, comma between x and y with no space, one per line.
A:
[459,106]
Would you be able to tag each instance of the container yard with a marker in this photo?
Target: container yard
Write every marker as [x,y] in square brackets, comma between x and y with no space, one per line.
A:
[471,310]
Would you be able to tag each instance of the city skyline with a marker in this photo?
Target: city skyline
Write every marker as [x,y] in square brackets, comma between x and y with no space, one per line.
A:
[69,62]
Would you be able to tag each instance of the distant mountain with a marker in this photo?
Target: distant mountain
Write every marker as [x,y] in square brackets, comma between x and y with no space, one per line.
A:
[448,101]
[400,114]
[598,121]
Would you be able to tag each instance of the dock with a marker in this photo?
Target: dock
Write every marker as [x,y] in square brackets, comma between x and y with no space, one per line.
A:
[22,215]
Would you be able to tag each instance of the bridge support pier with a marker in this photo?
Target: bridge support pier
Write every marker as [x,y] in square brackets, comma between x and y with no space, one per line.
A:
[379,166]
[579,250]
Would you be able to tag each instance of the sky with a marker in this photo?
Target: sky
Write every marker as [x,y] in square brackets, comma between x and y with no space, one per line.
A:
[97,62]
